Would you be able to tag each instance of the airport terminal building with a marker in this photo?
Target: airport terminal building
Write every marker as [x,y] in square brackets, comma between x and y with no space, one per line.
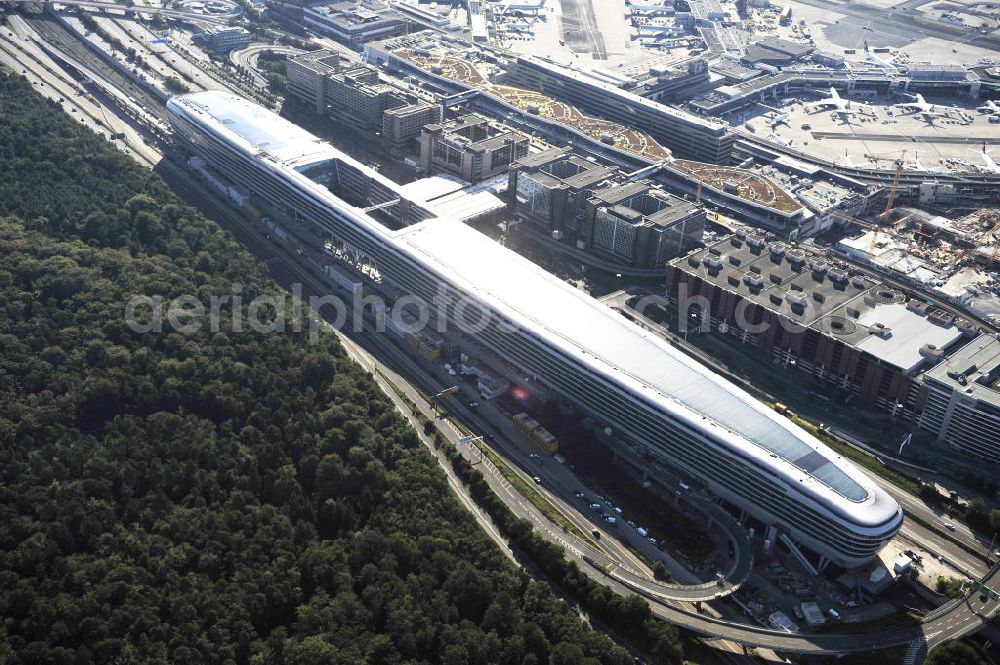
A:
[649,395]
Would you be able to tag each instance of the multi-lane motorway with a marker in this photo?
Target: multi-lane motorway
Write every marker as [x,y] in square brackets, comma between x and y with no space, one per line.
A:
[115,8]
[20,50]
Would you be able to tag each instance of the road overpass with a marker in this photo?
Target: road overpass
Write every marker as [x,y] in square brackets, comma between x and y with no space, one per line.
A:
[247,58]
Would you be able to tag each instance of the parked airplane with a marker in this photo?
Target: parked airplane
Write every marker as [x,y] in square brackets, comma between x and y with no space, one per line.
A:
[779,118]
[841,105]
[989,164]
[990,107]
[922,107]
[871,57]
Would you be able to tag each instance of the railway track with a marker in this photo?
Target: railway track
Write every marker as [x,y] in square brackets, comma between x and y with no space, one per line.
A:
[59,37]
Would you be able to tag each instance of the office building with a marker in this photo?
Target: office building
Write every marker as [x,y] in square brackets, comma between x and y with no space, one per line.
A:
[963,402]
[551,189]
[357,98]
[631,382]
[350,93]
[354,22]
[470,147]
[223,39]
[306,76]
[642,226]
[401,126]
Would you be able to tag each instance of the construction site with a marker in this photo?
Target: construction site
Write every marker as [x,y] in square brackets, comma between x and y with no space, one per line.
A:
[949,253]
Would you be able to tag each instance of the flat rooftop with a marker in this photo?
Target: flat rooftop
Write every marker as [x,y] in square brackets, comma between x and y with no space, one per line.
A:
[464,72]
[748,185]
[821,294]
[572,320]
[640,202]
[266,133]
[979,363]
[907,333]
[323,61]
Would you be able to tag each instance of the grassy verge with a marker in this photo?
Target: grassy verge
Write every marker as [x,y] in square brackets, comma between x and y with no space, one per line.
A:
[523,487]
[528,491]
[948,586]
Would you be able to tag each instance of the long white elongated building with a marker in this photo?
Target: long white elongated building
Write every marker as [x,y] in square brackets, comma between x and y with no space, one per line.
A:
[650,395]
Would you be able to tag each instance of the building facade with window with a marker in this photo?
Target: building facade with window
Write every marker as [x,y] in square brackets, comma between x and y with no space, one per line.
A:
[632,383]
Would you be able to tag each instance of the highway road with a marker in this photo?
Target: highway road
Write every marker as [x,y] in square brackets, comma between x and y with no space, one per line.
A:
[115,8]
[24,55]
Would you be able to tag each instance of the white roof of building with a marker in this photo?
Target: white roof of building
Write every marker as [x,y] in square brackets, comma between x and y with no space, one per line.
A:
[884,244]
[594,334]
[259,128]
[909,332]
[568,319]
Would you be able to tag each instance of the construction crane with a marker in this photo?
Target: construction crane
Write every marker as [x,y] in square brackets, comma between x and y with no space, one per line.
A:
[891,199]
[874,228]
[996,244]
[993,254]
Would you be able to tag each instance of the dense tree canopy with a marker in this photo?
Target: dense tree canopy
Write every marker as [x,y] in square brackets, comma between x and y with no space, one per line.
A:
[955,653]
[228,497]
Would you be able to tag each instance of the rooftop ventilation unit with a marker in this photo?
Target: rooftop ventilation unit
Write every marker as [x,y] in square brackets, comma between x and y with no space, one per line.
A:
[881,330]
[796,298]
[930,351]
